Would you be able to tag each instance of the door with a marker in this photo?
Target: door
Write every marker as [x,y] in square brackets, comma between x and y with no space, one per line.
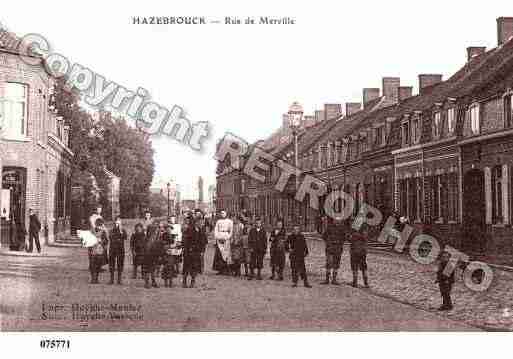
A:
[13,180]
[474,211]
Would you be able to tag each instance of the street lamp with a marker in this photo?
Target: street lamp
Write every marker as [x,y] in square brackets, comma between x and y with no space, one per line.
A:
[295,116]
[168,207]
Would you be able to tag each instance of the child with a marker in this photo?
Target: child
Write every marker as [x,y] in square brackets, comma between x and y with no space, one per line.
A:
[246,250]
[298,252]
[97,252]
[445,282]
[236,246]
[358,255]
[168,271]
[194,242]
[278,248]
[152,254]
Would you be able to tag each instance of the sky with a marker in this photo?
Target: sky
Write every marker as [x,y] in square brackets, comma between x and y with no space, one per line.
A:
[242,78]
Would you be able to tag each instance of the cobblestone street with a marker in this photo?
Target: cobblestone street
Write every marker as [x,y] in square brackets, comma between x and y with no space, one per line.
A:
[402,296]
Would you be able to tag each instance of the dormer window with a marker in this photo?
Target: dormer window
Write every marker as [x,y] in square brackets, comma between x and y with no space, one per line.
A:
[416,130]
[437,125]
[380,136]
[475,124]
[451,120]
[508,110]
[406,133]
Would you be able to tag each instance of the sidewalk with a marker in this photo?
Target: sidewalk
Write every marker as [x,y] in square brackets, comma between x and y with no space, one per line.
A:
[396,276]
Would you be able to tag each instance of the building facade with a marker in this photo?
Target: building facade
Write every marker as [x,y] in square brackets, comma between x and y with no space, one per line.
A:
[442,158]
[34,152]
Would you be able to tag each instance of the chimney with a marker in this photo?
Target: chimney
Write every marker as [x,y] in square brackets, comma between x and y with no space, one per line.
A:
[473,51]
[391,88]
[370,94]
[332,110]
[405,92]
[427,80]
[352,107]
[504,29]
[319,115]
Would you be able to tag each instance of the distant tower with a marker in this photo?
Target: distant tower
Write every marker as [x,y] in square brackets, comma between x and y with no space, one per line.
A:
[200,189]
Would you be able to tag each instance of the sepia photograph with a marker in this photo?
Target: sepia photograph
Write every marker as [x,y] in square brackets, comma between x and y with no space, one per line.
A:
[280,167]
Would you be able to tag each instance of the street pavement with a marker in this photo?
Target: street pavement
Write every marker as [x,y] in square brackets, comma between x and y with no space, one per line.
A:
[51,292]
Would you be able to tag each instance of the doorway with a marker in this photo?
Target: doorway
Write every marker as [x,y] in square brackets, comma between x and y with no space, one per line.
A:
[474,211]
[14,180]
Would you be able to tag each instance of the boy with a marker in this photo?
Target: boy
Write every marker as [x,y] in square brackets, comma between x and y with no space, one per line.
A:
[97,252]
[278,248]
[298,252]
[258,244]
[334,237]
[358,255]
[445,282]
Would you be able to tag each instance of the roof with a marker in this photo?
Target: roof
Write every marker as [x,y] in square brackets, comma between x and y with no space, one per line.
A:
[348,123]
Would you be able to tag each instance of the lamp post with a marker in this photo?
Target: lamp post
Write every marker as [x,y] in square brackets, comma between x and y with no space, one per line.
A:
[295,116]
[168,207]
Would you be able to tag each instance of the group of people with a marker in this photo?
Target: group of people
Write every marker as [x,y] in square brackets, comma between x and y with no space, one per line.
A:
[244,243]
[240,243]
[157,248]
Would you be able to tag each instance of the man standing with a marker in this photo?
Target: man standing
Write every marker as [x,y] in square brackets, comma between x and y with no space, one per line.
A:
[117,238]
[334,238]
[258,243]
[298,253]
[223,232]
[34,228]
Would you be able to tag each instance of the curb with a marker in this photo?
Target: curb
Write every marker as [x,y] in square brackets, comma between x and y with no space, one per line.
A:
[310,235]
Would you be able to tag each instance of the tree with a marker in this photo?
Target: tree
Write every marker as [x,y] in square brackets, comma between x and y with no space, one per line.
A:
[107,143]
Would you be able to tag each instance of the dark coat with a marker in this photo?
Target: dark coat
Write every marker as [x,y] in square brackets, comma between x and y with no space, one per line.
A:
[334,237]
[34,224]
[358,243]
[117,238]
[278,241]
[138,243]
[297,245]
[194,243]
[443,279]
[257,240]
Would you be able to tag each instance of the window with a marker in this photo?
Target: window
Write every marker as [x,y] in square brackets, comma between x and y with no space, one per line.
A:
[416,130]
[406,134]
[379,140]
[437,125]
[403,193]
[474,119]
[451,120]
[324,159]
[13,110]
[453,198]
[508,111]
[497,212]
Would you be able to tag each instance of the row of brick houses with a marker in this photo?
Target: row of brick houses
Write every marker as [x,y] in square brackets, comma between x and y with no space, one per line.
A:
[34,153]
[442,158]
